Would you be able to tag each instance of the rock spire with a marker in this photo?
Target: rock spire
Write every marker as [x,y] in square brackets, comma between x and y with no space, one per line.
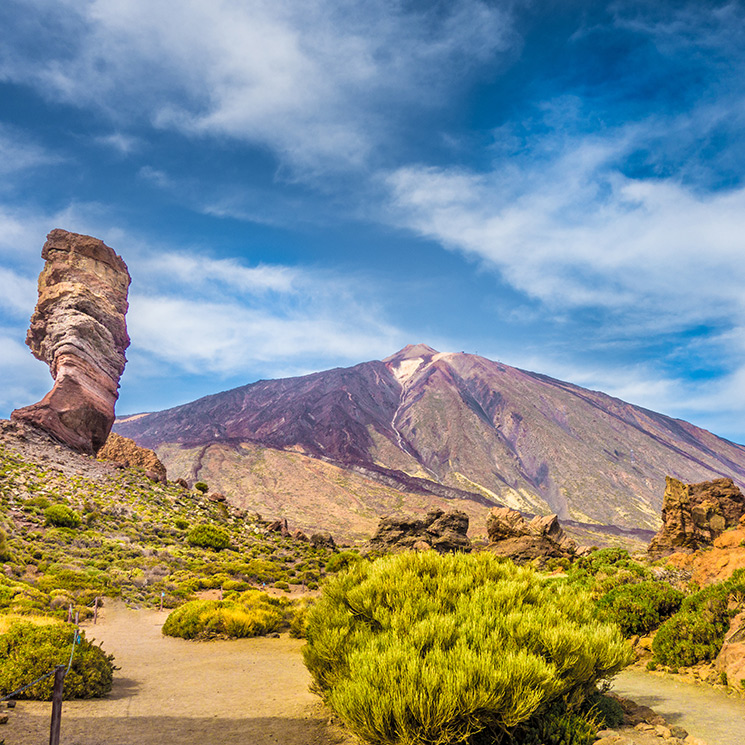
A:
[79,329]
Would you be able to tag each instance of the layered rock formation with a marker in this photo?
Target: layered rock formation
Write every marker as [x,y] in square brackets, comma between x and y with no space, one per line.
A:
[694,515]
[541,538]
[78,328]
[127,452]
[438,530]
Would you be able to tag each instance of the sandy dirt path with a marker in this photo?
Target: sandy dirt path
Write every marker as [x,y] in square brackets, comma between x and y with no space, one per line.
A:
[706,713]
[172,691]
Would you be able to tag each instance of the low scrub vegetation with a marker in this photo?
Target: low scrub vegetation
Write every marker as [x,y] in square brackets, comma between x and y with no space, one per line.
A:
[696,633]
[28,651]
[440,649]
[640,608]
[132,542]
[251,613]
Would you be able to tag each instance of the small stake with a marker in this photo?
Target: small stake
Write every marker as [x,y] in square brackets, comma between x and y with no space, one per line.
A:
[95,610]
[69,614]
[161,600]
[59,678]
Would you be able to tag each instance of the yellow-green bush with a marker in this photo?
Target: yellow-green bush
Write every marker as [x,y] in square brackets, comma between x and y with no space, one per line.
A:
[28,651]
[420,647]
[251,614]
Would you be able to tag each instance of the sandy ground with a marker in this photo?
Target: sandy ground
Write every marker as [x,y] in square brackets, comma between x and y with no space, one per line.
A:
[707,713]
[246,691]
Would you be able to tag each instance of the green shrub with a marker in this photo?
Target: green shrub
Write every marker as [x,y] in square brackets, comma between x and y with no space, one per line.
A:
[696,633]
[604,710]
[692,636]
[299,620]
[341,561]
[253,613]
[5,553]
[554,725]
[639,608]
[61,516]
[208,536]
[27,652]
[202,487]
[180,523]
[420,647]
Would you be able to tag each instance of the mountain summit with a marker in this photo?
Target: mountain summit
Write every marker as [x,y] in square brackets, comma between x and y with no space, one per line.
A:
[461,422]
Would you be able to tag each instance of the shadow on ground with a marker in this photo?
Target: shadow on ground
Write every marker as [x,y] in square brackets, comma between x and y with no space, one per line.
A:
[27,728]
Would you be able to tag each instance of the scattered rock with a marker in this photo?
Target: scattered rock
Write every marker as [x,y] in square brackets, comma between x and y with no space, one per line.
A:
[694,515]
[322,539]
[279,526]
[128,453]
[182,483]
[78,328]
[521,541]
[217,496]
[731,658]
[298,535]
[439,530]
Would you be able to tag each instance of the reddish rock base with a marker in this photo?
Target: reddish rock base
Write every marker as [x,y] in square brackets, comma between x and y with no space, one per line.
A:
[79,410]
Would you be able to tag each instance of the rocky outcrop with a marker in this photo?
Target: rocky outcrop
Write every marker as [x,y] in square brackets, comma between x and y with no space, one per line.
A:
[694,515]
[512,536]
[128,453]
[439,530]
[731,658]
[78,328]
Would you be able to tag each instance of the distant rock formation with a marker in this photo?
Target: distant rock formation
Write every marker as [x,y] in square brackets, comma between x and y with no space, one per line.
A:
[128,453]
[439,530]
[78,328]
[521,541]
[693,515]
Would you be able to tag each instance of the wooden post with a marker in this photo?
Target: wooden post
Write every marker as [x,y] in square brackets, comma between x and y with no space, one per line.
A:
[95,610]
[59,678]
[220,592]
[69,614]
[161,600]
[77,617]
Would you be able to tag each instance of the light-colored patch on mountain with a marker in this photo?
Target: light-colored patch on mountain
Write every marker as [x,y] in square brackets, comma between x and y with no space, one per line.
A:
[406,369]
[133,418]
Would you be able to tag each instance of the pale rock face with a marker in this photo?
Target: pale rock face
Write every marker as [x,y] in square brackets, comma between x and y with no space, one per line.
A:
[79,329]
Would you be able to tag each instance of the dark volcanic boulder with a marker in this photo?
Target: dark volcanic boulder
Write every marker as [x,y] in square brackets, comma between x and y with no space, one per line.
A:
[513,537]
[322,539]
[439,530]
[78,328]
[693,515]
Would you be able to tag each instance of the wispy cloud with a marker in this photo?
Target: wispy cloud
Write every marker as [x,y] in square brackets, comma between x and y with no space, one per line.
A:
[220,316]
[311,80]
[18,153]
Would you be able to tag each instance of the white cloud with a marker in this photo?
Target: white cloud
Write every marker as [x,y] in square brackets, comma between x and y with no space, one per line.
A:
[18,153]
[19,292]
[25,379]
[203,337]
[317,81]
[574,232]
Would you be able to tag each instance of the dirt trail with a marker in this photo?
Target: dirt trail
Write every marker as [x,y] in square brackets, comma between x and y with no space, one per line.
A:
[171,691]
[706,713]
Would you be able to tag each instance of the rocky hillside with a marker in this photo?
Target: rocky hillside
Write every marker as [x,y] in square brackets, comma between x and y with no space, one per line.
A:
[458,423]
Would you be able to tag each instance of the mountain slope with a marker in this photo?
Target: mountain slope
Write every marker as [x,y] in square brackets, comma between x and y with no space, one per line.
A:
[462,422]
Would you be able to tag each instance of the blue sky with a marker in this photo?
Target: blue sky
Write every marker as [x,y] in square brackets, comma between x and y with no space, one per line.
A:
[300,185]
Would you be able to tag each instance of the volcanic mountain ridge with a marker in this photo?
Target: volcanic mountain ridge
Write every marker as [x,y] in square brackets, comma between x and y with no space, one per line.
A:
[455,425]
